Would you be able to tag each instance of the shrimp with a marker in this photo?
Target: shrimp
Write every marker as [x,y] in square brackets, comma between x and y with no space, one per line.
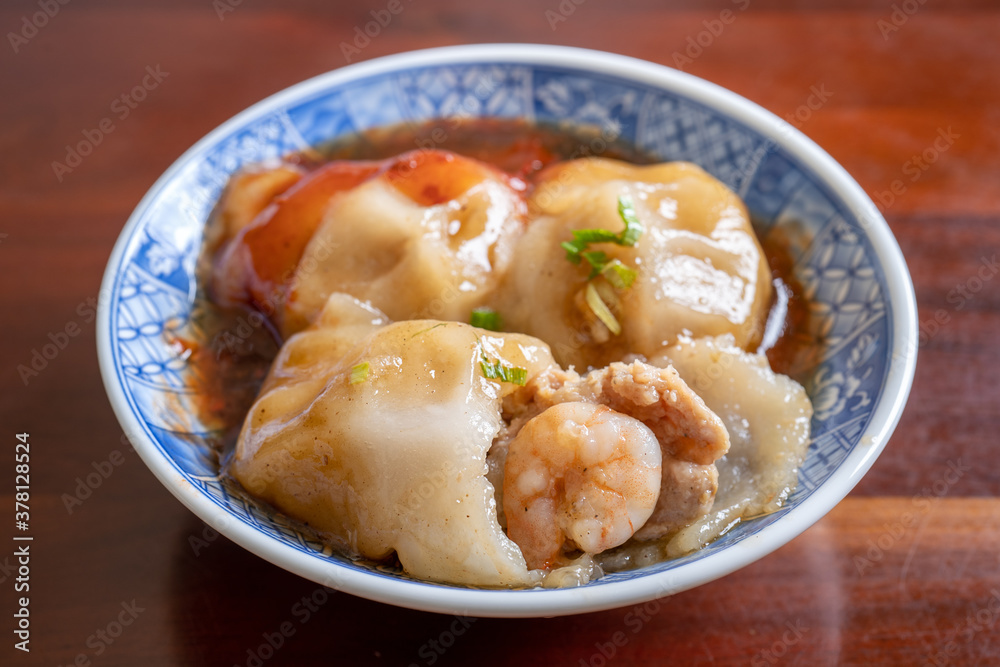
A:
[579,475]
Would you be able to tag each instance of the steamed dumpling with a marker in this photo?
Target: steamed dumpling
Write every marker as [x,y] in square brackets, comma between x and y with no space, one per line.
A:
[768,418]
[395,461]
[428,234]
[700,268]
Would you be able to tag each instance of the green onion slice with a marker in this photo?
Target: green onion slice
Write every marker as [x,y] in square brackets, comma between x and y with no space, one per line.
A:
[582,238]
[423,331]
[598,259]
[601,310]
[497,370]
[618,274]
[633,228]
[359,373]
[486,318]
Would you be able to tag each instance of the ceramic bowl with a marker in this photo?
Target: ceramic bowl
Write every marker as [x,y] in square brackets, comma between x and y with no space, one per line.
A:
[862,325]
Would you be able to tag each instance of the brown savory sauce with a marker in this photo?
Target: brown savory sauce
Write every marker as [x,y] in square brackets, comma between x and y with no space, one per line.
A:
[789,349]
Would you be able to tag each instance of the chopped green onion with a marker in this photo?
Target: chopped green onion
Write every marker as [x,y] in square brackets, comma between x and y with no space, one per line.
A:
[582,238]
[486,318]
[587,236]
[422,331]
[601,310]
[597,259]
[633,228]
[359,373]
[495,370]
[618,274]
[517,375]
[573,250]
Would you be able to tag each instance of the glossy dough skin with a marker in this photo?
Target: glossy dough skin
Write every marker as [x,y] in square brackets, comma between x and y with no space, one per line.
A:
[428,234]
[396,462]
[701,269]
[768,419]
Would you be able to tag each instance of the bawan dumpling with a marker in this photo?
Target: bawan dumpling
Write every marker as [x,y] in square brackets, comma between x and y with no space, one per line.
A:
[392,459]
[700,270]
[428,234]
[471,455]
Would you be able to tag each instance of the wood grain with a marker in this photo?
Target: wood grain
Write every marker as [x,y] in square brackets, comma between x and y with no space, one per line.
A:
[893,575]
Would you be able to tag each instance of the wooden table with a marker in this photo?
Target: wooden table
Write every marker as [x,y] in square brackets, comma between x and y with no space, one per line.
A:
[130,577]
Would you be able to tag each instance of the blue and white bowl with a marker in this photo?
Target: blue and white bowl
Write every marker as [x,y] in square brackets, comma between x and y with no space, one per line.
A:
[863,314]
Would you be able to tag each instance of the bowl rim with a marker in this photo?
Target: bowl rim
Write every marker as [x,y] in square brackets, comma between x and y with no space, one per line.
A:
[550,602]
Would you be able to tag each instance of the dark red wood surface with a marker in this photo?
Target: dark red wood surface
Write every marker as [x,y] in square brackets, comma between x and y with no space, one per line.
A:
[885,578]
